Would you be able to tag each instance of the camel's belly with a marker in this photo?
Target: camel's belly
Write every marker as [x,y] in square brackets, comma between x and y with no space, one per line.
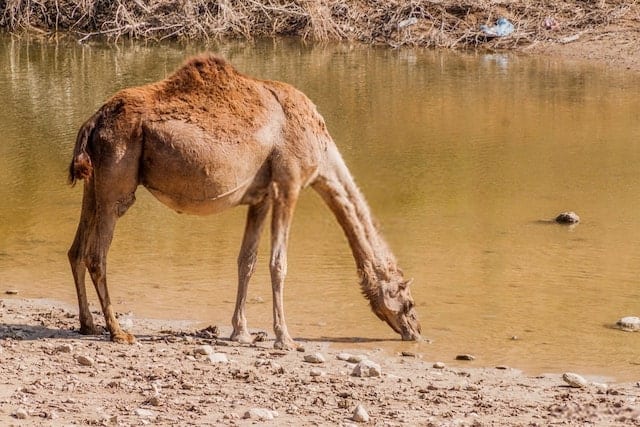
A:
[195,172]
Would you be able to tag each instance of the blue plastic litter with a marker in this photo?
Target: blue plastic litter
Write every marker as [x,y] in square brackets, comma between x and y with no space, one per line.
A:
[502,28]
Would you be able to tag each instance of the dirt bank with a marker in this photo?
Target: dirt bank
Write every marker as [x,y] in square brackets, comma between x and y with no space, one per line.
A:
[605,31]
[50,375]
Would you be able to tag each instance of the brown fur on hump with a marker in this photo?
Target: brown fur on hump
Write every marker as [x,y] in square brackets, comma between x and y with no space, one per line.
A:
[209,92]
[203,72]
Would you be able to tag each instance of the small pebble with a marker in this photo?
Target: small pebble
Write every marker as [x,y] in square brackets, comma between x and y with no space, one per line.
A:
[360,414]
[574,380]
[144,413]
[260,414]
[203,349]
[154,401]
[64,348]
[367,368]
[502,367]
[20,414]
[315,372]
[465,357]
[218,358]
[314,358]
[439,365]
[356,358]
[567,218]
[407,354]
[84,360]
[629,323]
[601,388]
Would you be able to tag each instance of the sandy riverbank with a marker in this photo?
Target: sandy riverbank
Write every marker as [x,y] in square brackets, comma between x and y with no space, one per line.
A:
[51,375]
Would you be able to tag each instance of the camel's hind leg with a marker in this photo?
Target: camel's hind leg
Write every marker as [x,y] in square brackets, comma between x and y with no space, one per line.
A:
[78,266]
[89,250]
[246,266]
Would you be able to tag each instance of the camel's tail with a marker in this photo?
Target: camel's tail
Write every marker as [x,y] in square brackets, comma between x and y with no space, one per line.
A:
[81,166]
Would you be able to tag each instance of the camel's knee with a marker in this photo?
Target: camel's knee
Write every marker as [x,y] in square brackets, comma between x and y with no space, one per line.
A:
[124,204]
[278,266]
[247,263]
[95,265]
[73,254]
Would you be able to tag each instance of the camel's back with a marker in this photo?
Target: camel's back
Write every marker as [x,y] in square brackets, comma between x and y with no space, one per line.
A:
[207,133]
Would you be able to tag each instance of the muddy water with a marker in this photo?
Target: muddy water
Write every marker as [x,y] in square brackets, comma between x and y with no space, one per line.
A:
[462,158]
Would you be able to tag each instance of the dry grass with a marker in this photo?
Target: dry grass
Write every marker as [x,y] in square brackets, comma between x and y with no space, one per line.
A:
[444,23]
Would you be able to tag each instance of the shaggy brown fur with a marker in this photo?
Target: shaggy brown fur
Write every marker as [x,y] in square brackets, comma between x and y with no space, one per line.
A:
[208,138]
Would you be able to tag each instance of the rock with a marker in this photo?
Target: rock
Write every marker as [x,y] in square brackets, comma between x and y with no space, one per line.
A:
[314,358]
[408,354]
[64,348]
[144,413]
[629,323]
[567,218]
[360,414]
[218,358]
[154,401]
[84,360]
[20,414]
[574,380]
[356,358]
[465,357]
[11,292]
[260,414]
[315,372]
[343,356]
[439,365]
[203,349]
[601,388]
[367,368]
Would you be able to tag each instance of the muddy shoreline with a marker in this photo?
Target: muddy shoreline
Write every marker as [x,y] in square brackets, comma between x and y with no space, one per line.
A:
[606,32]
[176,375]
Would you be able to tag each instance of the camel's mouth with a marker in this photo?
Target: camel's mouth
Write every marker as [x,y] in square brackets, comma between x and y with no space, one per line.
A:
[410,328]
[411,336]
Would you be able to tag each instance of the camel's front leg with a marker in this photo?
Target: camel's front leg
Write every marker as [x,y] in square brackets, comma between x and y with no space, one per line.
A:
[284,201]
[246,266]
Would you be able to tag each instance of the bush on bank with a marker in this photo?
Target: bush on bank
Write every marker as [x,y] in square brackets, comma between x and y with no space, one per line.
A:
[444,24]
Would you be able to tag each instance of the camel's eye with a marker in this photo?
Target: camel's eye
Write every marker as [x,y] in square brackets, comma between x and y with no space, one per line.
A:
[408,306]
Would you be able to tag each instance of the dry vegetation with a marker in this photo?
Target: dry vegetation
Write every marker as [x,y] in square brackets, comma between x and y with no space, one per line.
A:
[444,23]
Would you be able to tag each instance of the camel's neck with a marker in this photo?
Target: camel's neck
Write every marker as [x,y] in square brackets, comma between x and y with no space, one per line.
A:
[373,258]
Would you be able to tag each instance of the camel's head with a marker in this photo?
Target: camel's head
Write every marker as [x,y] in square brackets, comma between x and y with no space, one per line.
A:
[395,306]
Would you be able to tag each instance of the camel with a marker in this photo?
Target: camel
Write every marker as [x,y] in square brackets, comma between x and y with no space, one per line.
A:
[208,138]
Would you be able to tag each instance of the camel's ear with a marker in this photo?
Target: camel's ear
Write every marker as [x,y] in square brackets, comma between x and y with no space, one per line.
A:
[405,284]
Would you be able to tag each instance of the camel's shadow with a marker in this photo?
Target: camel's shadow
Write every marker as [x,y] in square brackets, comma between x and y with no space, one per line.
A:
[25,332]
[347,340]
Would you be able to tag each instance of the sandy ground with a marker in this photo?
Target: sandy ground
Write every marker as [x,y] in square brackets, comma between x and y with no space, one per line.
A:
[177,375]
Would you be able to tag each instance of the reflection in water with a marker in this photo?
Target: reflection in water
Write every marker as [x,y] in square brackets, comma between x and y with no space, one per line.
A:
[458,155]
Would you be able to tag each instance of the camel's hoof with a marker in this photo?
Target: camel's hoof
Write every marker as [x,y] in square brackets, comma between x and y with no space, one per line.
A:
[90,330]
[123,338]
[286,344]
[242,337]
